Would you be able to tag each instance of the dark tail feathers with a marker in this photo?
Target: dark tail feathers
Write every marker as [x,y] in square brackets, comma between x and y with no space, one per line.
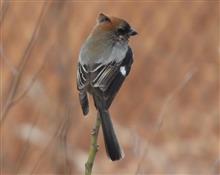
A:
[111,143]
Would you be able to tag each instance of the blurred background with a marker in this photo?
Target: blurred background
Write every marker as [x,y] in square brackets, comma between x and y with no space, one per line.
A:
[166,114]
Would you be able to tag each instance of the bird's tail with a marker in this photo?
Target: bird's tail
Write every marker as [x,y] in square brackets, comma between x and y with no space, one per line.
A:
[84,102]
[111,142]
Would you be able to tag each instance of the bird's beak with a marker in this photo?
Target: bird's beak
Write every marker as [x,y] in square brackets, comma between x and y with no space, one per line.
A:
[132,32]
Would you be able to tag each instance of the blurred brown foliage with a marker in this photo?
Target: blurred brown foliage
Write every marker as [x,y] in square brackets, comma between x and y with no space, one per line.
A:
[166,114]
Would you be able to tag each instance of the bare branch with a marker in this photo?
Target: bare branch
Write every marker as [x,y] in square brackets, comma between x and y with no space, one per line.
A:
[16,81]
[21,157]
[188,76]
[26,90]
[63,138]
[53,138]
[4,9]
[8,63]
[93,147]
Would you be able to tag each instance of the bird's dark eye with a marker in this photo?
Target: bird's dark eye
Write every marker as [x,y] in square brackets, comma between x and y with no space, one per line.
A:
[121,30]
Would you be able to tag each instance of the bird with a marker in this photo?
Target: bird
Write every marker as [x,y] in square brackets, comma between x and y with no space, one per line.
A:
[104,61]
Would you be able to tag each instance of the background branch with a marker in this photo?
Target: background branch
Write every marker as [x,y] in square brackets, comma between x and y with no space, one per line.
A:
[25,91]
[25,149]
[188,76]
[50,141]
[3,11]
[17,78]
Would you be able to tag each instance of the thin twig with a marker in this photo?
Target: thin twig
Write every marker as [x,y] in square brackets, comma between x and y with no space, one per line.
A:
[93,147]
[188,76]
[42,155]
[7,62]
[25,149]
[63,138]
[26,90]
[4,9]
[16,80]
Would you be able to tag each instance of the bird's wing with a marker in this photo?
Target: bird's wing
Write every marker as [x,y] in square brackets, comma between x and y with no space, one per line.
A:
[82,76]
[108,78]
[103,74]
[119,78]
[82,81]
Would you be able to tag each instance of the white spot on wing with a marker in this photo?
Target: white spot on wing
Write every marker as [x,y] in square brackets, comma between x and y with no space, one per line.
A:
[123,70]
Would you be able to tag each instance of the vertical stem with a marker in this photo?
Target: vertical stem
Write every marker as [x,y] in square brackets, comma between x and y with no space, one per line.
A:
[93,147]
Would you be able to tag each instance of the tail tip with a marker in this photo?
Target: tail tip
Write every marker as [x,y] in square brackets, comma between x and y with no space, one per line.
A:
[118,156]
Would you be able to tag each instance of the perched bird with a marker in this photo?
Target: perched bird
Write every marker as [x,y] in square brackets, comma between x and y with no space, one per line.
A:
[105,60]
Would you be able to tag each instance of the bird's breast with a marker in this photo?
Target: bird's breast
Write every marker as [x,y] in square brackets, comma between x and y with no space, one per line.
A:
[103,53]
[118,53]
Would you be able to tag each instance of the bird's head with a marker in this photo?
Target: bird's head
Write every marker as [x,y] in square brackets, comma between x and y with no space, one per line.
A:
[117,28]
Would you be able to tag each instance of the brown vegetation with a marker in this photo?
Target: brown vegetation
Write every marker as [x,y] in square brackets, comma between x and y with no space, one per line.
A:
[166,114]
